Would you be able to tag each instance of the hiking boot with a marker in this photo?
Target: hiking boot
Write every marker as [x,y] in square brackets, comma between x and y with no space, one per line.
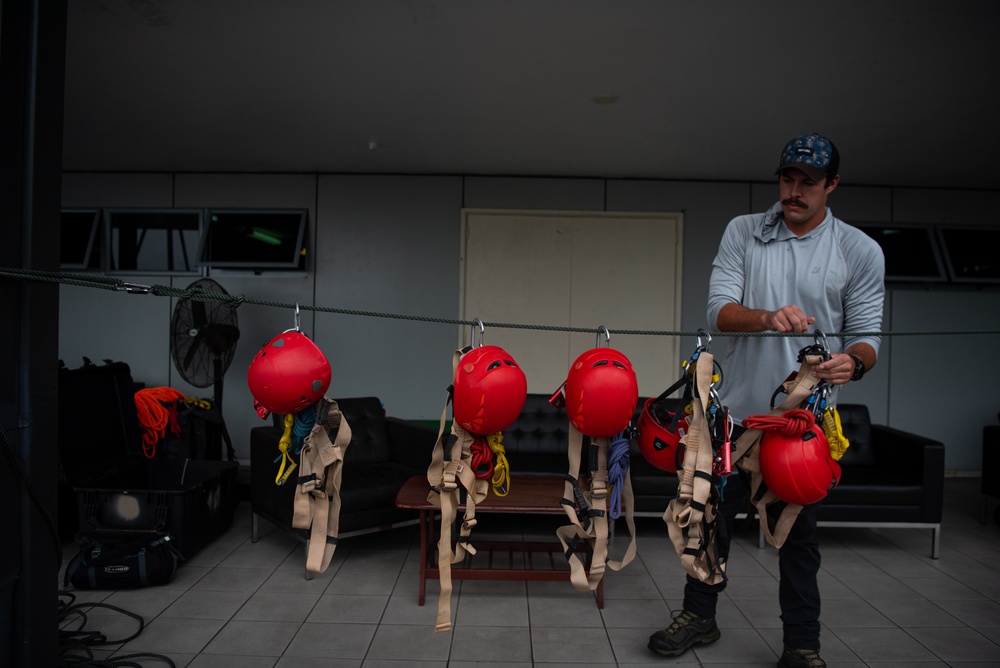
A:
[800,658]
[686,631]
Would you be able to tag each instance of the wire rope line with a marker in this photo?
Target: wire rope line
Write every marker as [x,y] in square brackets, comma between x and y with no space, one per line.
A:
[200,295]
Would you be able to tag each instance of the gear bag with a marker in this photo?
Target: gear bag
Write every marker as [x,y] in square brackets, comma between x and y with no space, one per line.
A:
[122,560]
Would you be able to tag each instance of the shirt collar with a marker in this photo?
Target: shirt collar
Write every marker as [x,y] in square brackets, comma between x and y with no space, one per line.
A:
[773,228]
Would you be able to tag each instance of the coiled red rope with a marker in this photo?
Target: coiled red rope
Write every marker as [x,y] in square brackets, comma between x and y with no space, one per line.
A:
[794,422]
[482,458]
[155,406]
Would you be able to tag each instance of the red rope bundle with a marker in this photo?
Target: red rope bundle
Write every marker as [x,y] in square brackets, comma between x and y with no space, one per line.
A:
[154,415]
[482,458]
[794,422]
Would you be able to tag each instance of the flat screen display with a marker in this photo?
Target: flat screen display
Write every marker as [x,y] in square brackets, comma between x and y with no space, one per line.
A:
[910,249]
[79,239]
[254,239]
[971,253]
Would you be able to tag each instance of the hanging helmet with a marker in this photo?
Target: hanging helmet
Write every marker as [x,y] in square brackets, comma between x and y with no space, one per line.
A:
[490,390]
[289,373]
[798,468]
[601,392]
[660,435]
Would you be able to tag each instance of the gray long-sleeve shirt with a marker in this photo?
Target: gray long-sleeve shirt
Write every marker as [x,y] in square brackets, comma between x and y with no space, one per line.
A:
[835,273]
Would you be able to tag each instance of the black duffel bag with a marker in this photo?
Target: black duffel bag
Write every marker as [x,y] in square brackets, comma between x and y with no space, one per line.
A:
[122,560]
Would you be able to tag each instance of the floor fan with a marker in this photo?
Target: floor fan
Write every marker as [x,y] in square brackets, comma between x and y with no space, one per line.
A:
[203,337]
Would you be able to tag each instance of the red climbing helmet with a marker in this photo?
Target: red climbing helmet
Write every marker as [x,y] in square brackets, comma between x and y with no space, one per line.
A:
[659,437]
[601,392]
[490,390]
[289,373]
[798,468]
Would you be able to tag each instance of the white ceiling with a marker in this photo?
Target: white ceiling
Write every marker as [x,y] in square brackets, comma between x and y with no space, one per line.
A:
[704,89]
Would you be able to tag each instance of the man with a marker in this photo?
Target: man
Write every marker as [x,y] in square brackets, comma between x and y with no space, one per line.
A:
[794,268]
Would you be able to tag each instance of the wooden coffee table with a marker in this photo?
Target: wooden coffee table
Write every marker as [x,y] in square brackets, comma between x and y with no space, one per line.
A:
[496,559]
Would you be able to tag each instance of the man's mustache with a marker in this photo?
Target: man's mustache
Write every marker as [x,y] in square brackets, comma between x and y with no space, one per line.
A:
[793,201]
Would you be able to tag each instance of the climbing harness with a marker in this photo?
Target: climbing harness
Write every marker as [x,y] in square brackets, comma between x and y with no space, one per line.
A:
[465,465]
[801,388]
[600,384]
[317,498]
[691,517]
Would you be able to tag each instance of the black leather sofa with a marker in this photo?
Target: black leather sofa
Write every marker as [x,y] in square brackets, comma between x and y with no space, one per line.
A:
[384,452]
[891,478]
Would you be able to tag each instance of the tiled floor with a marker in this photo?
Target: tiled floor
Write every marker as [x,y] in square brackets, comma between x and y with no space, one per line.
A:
[886,603]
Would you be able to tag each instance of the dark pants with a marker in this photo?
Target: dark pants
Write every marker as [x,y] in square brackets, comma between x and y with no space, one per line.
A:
[798,564]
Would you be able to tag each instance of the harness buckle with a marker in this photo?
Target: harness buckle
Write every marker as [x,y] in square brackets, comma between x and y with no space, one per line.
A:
[599,486]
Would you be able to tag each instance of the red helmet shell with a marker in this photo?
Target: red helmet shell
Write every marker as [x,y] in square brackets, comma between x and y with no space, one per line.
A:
[658,444]
[799,469]
[601,392]
[490,390]
[289,373]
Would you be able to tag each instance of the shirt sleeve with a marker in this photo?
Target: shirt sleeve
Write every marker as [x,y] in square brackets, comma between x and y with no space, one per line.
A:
[728,280]
[865,293]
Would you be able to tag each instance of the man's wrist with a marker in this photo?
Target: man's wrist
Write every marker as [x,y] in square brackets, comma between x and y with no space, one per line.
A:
[859,368]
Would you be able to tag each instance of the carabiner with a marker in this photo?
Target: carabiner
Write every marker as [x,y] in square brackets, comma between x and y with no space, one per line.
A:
[607,336]
[708,344]
[482,329]
[819,338]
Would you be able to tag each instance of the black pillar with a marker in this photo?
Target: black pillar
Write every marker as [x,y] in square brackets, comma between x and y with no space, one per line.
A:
[32,65]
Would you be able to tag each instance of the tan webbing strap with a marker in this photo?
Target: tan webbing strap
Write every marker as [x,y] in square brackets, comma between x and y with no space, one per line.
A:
[317,499]
[448,474]
[593,527]
[747,455]
[689,516]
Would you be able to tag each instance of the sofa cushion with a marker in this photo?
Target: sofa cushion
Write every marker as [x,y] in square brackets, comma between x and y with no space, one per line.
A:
[369,440]
[537,442]
[856,424]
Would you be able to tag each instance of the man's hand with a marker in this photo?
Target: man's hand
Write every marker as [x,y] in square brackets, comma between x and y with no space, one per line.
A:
[837,370]
[789,319]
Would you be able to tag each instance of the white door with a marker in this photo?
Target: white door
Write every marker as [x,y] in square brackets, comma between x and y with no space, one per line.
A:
[542,270]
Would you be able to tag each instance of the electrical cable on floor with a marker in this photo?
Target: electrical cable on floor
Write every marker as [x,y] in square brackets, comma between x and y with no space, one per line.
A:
[77,639]
[75,643]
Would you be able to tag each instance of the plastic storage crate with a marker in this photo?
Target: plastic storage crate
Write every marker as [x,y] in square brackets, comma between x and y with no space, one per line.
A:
[118,488]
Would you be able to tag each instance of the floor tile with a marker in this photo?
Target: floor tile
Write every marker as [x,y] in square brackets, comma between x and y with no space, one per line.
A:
[886,604]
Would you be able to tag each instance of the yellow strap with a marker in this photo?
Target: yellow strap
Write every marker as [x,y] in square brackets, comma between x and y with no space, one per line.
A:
[286,459]
[834,433]
[501,468]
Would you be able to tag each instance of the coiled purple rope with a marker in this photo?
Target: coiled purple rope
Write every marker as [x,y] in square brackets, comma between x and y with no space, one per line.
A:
[618,461]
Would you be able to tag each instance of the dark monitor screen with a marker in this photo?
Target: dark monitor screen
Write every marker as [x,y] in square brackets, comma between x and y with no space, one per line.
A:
[971,253]
[254,239]
[153,240]
[910,249]
[78,239]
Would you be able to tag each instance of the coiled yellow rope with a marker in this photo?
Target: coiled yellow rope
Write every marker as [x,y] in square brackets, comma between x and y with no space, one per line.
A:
[834,433]
[501,468]
[286,459]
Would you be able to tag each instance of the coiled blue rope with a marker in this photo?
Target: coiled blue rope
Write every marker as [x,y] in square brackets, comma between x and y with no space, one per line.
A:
[305,420]
[618,461]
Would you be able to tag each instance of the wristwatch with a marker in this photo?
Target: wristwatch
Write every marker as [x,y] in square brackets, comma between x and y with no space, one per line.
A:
[859,368]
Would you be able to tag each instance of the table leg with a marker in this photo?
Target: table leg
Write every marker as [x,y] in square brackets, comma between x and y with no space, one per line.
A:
[424,522]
